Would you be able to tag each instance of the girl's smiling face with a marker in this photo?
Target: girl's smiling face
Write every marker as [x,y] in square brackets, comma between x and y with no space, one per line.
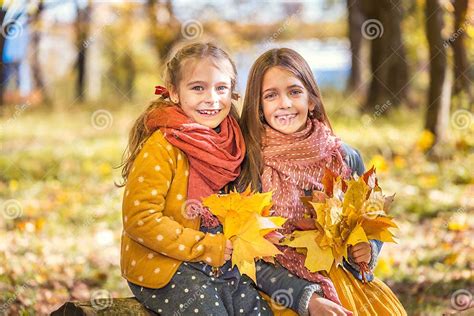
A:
[204,91]
[285,101]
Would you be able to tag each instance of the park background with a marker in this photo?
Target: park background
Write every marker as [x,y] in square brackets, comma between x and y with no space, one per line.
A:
[396,78]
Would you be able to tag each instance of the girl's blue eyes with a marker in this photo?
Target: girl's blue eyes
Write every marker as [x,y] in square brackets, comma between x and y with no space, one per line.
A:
[201,88]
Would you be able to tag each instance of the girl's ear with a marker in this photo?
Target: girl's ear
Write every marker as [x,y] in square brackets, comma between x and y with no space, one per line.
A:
[312,103]
[174,97]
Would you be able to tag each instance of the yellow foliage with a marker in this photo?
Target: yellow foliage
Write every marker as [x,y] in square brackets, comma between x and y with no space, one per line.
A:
[88,166]
[244,225]
[317,258]
[105,169]
[355,212]
[384,268]
[357,236]
[13,185]
[249,244]
[458,223]
[470,32]
[451,259]
[425,141]
[399,162]
[379,162]
[428,181]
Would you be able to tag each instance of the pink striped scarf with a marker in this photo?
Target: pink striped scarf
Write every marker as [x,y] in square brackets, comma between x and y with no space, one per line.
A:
[292,164]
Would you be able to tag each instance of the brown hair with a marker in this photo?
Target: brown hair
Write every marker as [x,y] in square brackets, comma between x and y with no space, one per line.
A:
[172,76]
[252,121]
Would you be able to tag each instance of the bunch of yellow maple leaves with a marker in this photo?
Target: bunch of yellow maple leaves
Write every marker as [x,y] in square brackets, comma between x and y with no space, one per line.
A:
[347,212]
[246,222]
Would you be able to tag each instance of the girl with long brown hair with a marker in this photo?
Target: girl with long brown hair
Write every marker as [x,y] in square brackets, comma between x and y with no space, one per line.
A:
[289,142]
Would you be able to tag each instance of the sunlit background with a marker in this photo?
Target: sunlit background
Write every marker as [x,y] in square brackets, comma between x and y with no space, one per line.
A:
[397,80]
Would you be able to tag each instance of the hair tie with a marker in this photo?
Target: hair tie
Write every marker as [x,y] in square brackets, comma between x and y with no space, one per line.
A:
[160,90]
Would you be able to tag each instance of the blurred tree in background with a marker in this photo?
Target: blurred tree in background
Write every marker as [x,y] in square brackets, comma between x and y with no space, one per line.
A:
[82,29]
[437,109]
[38,76]
[387,55]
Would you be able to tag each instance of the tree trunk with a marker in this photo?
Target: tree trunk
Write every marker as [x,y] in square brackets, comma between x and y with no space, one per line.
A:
[356,19]
[461,63]
[2,43]
[164,33]
[38,80]
[82,35]
[130,78]
[387,56]
[115,306]
[437,111]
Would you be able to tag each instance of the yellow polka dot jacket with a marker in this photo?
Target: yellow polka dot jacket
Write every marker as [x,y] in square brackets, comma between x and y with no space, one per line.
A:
[157,237]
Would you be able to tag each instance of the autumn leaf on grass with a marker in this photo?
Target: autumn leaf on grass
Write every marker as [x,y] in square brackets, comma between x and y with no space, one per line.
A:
[244,225]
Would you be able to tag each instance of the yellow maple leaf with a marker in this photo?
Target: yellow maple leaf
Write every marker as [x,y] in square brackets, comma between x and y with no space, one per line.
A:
[352,217]
[250,244]
[240,203]
[356,236]
[233,223]
[378,228]
[356,193]
[240,214]
[269,224]
[317,258]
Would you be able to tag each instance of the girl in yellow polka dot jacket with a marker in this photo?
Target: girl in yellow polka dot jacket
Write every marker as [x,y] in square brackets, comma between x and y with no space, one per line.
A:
[186,146]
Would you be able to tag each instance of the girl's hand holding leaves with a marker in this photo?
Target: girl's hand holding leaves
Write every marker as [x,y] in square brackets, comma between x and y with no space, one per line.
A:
[347,213]
[245,219]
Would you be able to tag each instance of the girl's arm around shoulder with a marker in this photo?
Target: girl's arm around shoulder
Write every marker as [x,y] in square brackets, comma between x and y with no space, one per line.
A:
[353,159]
[148,192]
